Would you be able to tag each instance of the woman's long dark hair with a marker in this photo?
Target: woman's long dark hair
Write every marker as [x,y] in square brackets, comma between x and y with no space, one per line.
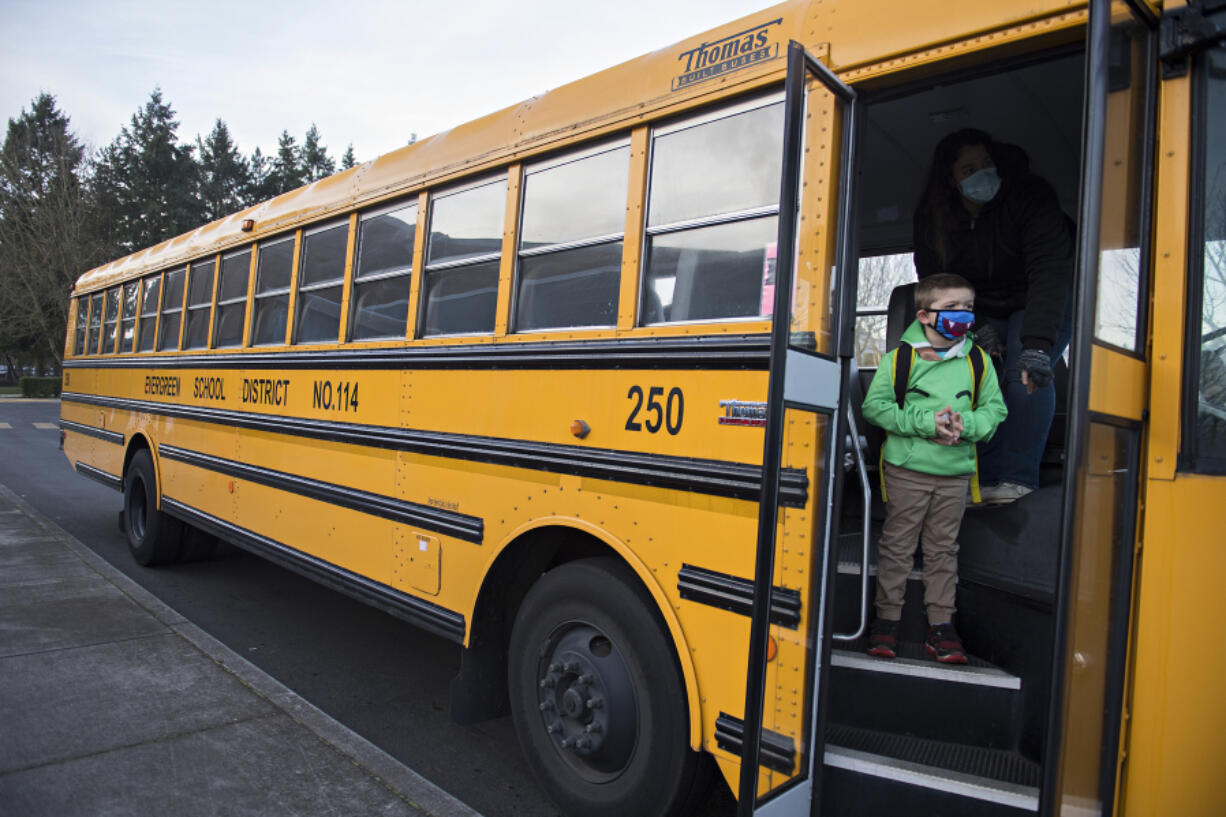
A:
[939,205]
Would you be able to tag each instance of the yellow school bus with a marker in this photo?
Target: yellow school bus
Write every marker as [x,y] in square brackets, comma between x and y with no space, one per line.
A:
[576,385]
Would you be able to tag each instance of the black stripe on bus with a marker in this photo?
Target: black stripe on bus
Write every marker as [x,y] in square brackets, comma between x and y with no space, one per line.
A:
[92,431]
[450,523]
[720,352]
[735,594]
[432,617]
[776,752]
[109,480]
[716,477]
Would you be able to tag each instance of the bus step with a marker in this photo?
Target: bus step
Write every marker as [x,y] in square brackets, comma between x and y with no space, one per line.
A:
[976,704]
[871,773]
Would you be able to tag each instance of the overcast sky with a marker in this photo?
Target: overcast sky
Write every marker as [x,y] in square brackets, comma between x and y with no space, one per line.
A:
[370,72]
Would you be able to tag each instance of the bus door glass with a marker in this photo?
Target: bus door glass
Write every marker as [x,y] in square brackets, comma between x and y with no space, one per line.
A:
[1107,389]
[808,366]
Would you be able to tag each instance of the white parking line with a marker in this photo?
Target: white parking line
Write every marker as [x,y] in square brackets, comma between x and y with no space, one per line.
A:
[47,426]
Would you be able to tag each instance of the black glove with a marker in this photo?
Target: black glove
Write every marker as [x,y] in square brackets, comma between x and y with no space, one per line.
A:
[986,339]
[1037,364]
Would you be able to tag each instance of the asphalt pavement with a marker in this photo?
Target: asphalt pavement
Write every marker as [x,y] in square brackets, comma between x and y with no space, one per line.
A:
[113,703]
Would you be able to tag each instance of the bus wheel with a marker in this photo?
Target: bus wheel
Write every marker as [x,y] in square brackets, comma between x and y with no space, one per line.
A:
[597,697]
[154,538]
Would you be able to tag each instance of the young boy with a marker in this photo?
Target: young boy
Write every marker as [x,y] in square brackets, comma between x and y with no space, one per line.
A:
[933,418]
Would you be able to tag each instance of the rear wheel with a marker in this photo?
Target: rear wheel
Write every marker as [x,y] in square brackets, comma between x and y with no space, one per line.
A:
[154,538]
[597,696]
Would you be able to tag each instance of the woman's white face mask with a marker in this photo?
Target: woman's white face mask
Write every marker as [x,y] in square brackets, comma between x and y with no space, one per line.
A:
[981,186]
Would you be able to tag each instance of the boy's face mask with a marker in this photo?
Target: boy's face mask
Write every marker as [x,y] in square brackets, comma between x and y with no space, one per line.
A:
[953,324]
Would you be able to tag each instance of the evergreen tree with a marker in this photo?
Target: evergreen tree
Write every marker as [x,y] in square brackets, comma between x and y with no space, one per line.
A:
[314,159]
[225,176]
[260,185]
[286,172]
[148,181]
[45,235]
[348,160]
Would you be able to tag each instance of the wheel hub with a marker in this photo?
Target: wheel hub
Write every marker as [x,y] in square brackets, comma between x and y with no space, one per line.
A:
[587,699]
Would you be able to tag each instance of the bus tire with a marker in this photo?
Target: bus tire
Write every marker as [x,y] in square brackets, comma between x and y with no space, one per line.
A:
[154,537]
[597,696]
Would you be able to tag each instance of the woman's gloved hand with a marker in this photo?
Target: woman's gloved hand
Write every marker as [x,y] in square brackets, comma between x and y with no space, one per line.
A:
[1036,369]
[988,340]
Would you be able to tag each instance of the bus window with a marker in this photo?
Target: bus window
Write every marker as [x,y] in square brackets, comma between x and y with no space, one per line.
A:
[149,311]
[127,332]
[461,284]
[570,247]
[712,214]
[383,272]
[199,300]
[1209,343]
[321,279]
[95,322]
[232,299]
[272,281]
[1122,227]
[110,322]
[172,310]
[879,275]
[78,346]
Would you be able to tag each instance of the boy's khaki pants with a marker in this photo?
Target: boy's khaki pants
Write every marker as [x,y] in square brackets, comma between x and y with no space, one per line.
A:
[920,504]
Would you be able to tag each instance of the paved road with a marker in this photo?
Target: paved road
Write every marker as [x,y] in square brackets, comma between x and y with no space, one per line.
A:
[382,678]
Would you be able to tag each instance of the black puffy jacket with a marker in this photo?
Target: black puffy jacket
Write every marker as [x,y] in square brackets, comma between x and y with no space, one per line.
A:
[1017,253]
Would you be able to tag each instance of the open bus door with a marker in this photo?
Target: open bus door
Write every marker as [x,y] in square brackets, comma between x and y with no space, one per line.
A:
[811,346]
[1107,388]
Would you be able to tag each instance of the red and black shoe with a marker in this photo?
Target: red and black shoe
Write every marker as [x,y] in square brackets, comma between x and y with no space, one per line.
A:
[883,638]
[944,645]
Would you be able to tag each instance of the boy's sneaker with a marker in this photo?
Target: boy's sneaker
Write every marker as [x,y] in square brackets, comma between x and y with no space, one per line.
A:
[883,639]
[1004,493]
[944,645]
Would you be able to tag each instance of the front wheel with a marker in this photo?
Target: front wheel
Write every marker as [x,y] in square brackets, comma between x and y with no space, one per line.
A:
[597,697]
[154,538]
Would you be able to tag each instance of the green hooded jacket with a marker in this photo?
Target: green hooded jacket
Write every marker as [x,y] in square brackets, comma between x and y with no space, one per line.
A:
[932,385]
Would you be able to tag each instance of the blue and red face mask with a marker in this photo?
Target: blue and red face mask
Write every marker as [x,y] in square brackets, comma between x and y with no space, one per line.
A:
[953,323]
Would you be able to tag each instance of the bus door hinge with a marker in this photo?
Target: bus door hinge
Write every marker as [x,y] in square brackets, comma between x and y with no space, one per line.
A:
[1186,30]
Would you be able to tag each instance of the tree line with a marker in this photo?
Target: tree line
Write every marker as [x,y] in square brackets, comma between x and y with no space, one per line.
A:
[65,209]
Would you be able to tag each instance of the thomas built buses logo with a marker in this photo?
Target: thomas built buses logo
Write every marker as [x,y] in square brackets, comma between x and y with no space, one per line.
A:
[711,60]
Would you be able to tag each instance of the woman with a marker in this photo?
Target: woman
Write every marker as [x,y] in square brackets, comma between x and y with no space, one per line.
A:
[985,217]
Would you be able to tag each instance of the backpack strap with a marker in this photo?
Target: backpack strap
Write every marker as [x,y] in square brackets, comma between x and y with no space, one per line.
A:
[903,355]
[978,366]
[902,371]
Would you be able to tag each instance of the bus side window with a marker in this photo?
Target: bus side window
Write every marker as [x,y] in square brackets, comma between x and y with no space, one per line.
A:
[572,201]
[712,216]
[232,299]
[127,331]
[110,322]
[272,282]
[321,280]
[462,256]
[172,310]
[199,301]
[152,287]
[95,322]
[383,273]
[78,346]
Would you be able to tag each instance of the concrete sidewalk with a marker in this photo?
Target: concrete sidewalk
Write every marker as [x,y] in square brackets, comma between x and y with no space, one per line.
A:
[112,703]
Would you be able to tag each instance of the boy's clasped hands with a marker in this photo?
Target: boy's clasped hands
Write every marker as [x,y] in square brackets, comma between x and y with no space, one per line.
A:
[949,426]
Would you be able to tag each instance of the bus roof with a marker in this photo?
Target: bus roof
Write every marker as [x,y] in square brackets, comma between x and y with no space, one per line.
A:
[648,87]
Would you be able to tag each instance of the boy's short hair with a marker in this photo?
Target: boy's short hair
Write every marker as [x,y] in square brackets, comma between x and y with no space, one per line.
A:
[927,288]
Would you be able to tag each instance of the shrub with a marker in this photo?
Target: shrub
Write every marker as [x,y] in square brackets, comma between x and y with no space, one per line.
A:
[40,387]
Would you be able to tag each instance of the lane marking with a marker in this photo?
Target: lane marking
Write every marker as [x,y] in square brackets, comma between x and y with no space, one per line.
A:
[47,426]
[5,425]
